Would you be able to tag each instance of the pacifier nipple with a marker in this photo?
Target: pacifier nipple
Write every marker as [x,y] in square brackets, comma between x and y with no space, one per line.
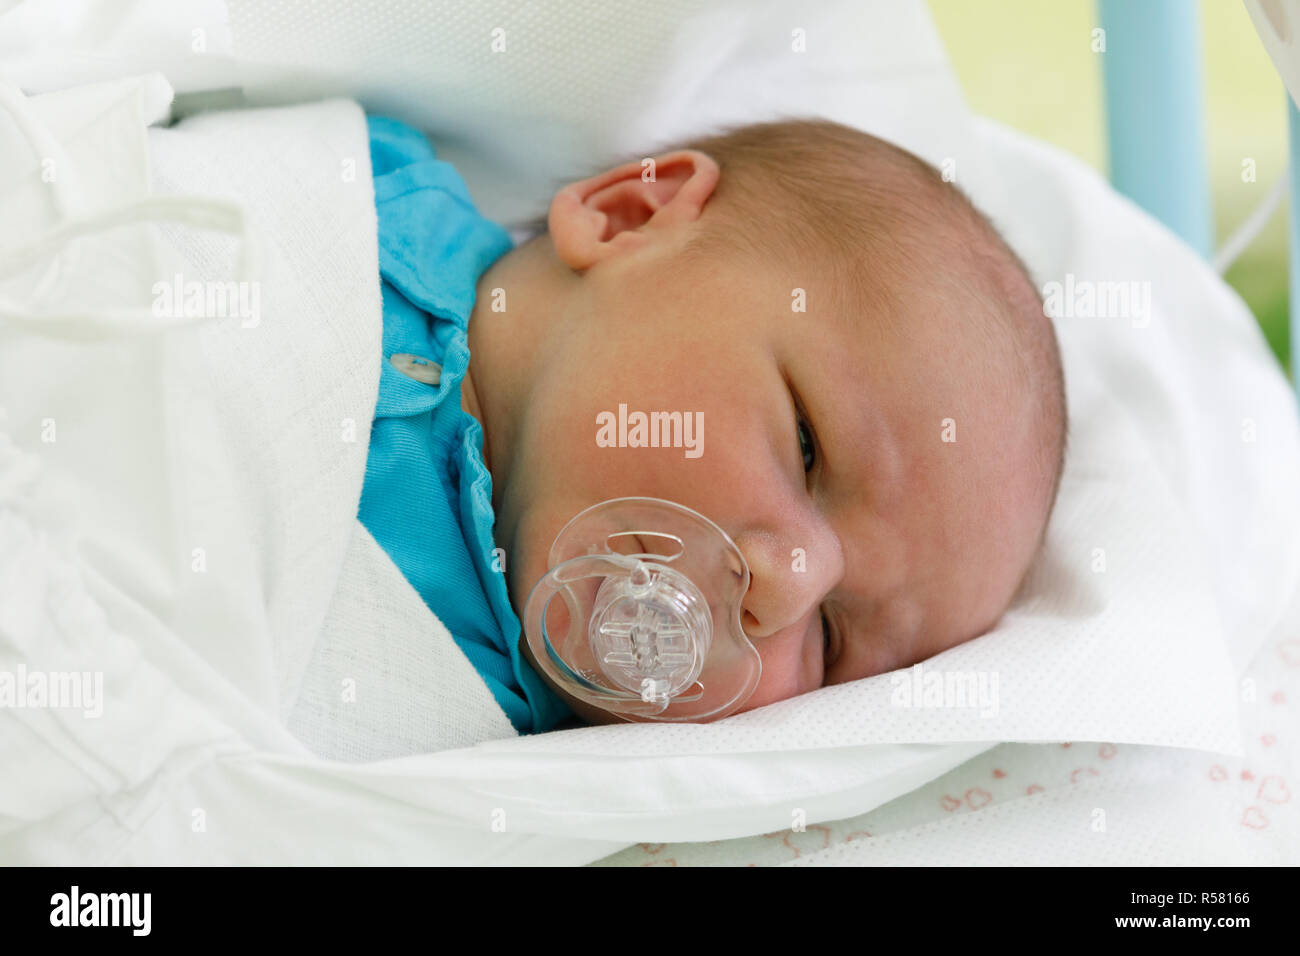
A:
[639,580]
[650,631]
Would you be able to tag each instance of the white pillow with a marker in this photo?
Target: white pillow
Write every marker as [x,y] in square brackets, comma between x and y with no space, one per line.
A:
[579,84]
[521,96]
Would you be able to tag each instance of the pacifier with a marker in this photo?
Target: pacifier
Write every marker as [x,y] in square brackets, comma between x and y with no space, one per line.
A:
[649,622]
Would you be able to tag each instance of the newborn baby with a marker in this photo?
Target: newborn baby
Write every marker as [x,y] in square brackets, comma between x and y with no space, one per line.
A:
[879,392]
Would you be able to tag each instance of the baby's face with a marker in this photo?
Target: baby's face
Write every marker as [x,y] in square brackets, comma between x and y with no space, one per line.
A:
[874,539]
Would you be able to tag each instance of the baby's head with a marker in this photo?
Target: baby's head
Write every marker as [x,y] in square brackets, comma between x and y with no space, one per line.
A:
[880,392]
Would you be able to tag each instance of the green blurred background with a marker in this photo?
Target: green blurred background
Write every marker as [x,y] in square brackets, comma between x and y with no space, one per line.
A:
[1020,60]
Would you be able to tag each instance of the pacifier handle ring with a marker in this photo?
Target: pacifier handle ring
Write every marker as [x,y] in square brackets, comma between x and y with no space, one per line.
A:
[539,603]
[561,665]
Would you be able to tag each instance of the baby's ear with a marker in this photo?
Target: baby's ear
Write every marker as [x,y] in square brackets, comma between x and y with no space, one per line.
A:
[620,210]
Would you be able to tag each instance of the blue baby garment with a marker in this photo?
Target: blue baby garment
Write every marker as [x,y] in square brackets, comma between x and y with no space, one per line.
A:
[427,497]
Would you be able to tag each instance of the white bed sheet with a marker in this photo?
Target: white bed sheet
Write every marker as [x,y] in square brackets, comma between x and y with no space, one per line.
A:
[1072,803]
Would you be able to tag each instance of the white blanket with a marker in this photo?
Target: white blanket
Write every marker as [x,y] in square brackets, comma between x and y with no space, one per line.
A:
[1070,804]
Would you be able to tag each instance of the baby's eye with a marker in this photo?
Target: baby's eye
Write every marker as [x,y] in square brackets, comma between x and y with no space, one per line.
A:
[806,447]
[828,644]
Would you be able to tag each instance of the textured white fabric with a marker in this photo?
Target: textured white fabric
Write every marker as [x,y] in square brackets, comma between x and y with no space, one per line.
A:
[387,679]
[523,96]
[1070,804]
[50,45]
[76,198]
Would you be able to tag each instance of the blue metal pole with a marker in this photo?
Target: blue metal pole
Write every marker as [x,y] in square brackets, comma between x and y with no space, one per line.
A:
[1155,116]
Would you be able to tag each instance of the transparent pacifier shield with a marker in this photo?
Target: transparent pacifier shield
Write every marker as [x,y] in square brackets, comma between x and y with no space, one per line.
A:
[652,589]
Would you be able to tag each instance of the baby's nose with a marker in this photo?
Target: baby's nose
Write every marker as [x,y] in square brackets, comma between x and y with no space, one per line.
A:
[784,583]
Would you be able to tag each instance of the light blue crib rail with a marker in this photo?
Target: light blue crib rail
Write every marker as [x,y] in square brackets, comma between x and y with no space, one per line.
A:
[1155,112]
[1155,126]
